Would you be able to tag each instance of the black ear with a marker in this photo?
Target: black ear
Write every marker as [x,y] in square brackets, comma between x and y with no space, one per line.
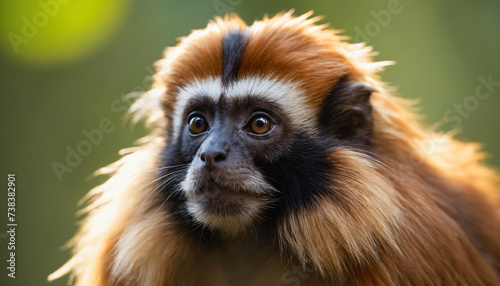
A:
[347,113]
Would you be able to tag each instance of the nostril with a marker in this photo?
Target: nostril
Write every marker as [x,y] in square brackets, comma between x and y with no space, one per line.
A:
[210,158]
[220,157]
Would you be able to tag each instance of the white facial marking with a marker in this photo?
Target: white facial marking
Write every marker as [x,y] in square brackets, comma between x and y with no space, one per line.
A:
[248,179]
[227,223]
[285,93]
[209,87]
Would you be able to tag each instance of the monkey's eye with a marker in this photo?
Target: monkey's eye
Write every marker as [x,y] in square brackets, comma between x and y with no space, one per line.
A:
[197,124]
[259,125]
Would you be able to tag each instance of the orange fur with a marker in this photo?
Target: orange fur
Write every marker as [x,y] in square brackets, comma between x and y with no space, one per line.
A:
[417,216]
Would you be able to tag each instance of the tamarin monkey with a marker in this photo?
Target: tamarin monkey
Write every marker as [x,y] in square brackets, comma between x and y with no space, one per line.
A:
[278,157]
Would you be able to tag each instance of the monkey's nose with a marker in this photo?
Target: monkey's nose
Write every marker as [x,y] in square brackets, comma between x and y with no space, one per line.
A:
[213,157]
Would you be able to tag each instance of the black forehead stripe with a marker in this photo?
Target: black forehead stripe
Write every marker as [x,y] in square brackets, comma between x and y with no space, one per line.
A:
[233,46]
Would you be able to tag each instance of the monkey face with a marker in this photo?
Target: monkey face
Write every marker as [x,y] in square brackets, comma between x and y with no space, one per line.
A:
[249,140]
[246,157]
[224,188]
[226,136]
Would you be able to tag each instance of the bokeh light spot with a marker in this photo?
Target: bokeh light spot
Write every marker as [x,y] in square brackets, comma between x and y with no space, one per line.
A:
[51,32]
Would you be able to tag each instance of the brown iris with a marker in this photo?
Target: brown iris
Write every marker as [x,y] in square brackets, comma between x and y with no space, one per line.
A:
[260,125]
[197,124]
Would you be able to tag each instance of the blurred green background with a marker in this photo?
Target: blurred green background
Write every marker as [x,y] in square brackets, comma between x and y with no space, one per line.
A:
[65,66]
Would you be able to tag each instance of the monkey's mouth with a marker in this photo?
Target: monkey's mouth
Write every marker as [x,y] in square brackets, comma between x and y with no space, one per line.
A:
[224,208]
[212,190]
[221,200]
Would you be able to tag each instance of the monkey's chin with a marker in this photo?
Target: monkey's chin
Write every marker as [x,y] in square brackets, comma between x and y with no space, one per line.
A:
[225,211]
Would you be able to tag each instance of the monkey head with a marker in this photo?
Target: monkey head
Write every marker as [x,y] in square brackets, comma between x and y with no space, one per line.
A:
[253,139]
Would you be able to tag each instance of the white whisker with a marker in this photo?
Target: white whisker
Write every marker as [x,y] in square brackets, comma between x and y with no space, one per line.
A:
[169,177]
[164,201]
[160,168]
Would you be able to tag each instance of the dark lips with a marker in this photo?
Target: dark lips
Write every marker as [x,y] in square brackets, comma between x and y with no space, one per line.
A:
[212,190]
